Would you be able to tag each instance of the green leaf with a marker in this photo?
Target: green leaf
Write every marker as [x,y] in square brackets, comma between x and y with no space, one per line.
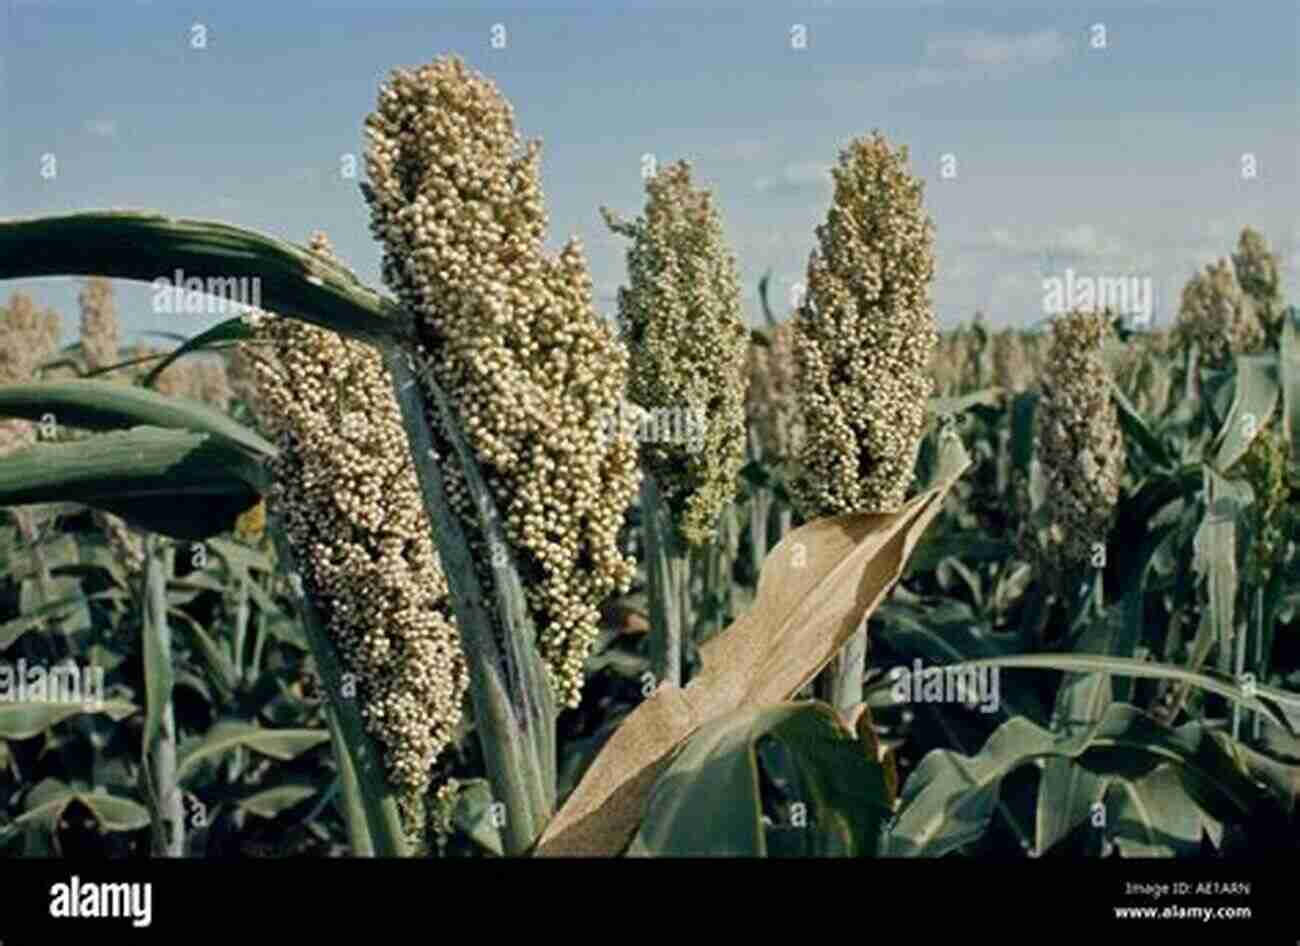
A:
[1136,431]
[513,700]
[1154,816]
[923,632]
[708,801]
[281,744]
[950,798]
[49,799]
[272,802]
[23,720]
[1067,792]
[221,670]
[1267,699]
[51,551]
[176,483]
[231,330]
[105,406]
[1255,394]
[1023,407]
[292,280]
[34,617]
[473,815]
[1289,372]
[966,547]
[159,673]
[239,557]
[1215,556]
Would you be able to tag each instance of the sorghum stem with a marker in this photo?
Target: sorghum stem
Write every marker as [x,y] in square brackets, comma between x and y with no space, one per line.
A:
[353,806]
[509,693]
[665,637]
[169,810]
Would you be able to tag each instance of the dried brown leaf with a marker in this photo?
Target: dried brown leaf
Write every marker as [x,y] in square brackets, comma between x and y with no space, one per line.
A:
[816,588]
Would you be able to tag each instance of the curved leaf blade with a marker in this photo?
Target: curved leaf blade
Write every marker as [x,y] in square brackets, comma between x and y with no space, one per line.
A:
[177,483]
[104,406]
[708,800]
[281,744]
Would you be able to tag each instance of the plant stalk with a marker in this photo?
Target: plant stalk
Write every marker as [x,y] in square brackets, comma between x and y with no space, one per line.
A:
[513,703]
[168,808]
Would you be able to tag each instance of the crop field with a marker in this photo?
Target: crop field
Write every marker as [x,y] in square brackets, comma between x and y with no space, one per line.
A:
[464,568]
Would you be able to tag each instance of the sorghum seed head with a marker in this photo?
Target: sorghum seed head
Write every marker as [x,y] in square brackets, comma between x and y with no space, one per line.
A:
[1218,316]
[865,339]
[28,338]
[510,335]
[100,331]
[771,399]
[681,319]
[346,489]
[1011,370]
[1078,444]
[1258,273]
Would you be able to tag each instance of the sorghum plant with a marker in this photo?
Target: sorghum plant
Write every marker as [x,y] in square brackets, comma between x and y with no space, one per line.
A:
[864,341]
[512,338]
[100,332]
[1257,272]
[680,318]
[1080,450]
[27,339]
[772,406]
[949,364]
[1216,315]
[866,338]
[1011,370]
[776,430]
[505,380]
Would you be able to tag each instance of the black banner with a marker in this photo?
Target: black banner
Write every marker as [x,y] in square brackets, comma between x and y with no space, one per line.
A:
[45,901]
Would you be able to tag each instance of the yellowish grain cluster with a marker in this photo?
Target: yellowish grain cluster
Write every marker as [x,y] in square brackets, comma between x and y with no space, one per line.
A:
[1218,316]
[510,334]
[680,317]
[1012,370]
[28,338]
[866,338]
[948,369]
[100,332]
[1258,274]
[346,488]
[1078,445]
[771,398]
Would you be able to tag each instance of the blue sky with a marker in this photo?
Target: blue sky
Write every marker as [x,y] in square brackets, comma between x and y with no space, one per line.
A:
[1117,161]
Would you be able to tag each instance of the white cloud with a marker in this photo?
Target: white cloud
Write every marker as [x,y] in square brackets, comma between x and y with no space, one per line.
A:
[1084,241]
[959,58]
[997,50]
[795,177]
[740,150]
[101,127]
